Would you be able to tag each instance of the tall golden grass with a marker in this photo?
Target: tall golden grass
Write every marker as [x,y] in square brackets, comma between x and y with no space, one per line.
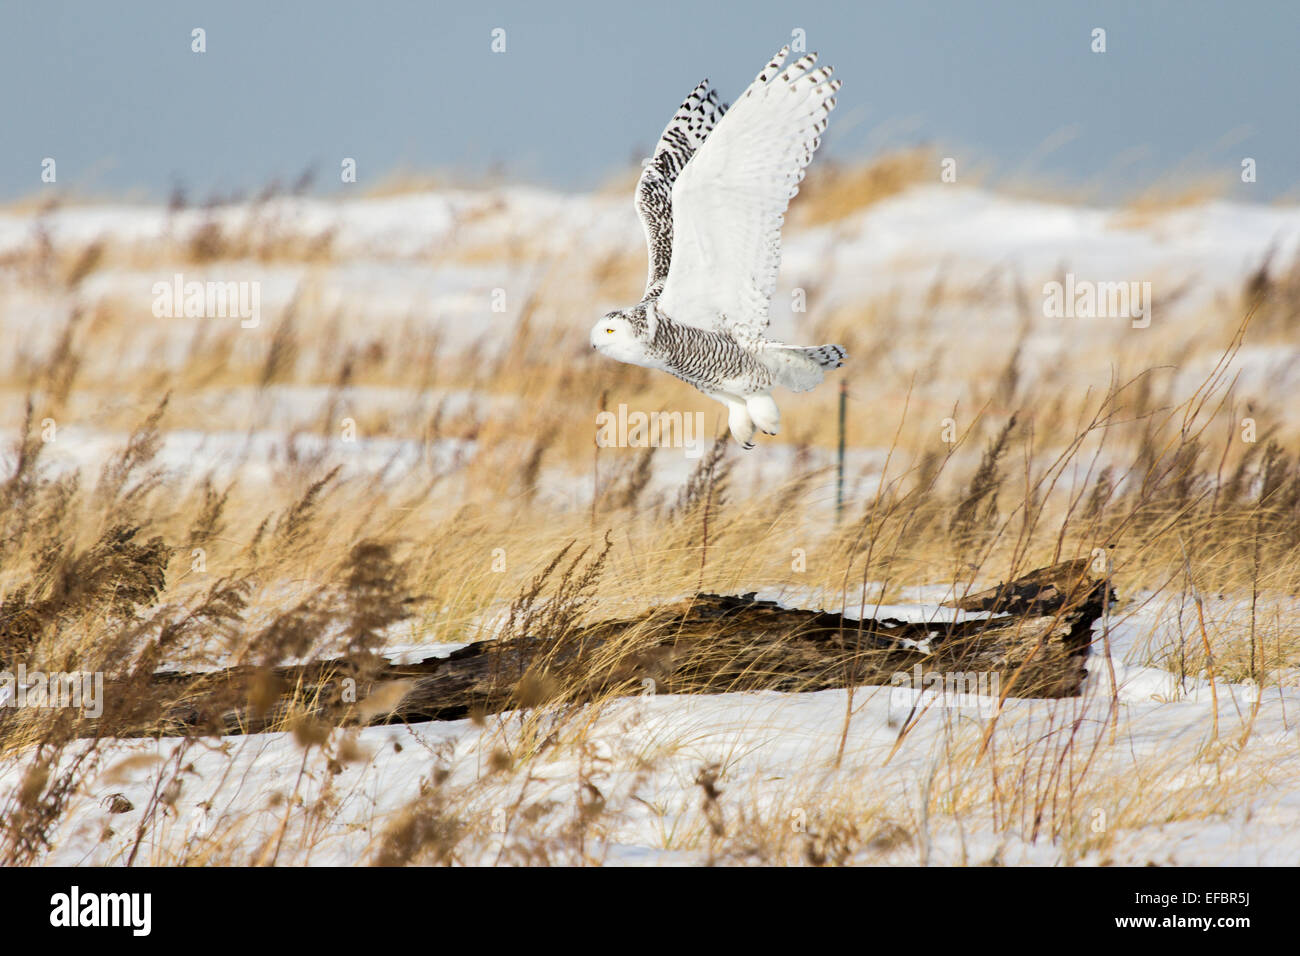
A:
[131,566]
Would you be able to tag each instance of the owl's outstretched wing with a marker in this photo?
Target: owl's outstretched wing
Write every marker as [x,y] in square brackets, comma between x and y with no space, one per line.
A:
[729,203]
[683,135]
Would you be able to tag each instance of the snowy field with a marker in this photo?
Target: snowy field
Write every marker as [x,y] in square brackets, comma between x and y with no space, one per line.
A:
[779,777]
[432,348]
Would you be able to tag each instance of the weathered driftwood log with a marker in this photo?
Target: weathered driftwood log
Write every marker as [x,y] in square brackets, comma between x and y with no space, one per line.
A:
[1036,638]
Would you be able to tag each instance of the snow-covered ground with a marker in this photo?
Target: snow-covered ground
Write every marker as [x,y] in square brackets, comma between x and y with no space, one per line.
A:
[434,262]
[1230,799]
[1171,779]
[465,265]
[932,227]
[777,758]
[440,256]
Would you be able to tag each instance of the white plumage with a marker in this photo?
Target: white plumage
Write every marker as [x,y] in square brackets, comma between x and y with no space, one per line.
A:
[712,200]
[729,202]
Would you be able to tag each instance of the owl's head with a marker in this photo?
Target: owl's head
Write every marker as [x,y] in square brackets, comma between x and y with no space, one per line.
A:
[621,337]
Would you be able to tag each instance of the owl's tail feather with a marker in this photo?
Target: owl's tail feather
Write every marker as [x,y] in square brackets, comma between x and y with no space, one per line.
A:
[799,367]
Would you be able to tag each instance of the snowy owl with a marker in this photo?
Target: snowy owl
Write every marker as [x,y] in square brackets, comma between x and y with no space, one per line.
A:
[712,199]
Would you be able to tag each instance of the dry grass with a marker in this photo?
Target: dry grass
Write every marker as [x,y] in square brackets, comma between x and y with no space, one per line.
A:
[1149,205]
[320,553]
[839,191]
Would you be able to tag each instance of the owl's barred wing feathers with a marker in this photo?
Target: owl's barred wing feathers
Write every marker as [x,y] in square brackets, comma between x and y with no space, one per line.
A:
[729,203]
[683,135]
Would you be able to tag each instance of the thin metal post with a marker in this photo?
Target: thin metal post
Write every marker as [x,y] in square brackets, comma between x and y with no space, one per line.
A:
[839,471]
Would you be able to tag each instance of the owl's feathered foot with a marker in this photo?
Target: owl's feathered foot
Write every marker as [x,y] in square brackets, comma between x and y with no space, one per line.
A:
[742,426]
[764,413]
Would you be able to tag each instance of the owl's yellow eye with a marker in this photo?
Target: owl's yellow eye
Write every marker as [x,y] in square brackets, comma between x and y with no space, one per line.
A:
[609,331]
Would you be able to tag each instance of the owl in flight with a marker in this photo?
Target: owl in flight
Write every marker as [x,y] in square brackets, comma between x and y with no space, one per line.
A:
[712,199]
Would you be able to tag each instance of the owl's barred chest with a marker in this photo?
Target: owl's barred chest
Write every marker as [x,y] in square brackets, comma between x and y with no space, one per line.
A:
[707,359]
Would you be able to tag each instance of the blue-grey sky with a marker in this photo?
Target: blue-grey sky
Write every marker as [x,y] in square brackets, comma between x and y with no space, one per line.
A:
[113,92]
